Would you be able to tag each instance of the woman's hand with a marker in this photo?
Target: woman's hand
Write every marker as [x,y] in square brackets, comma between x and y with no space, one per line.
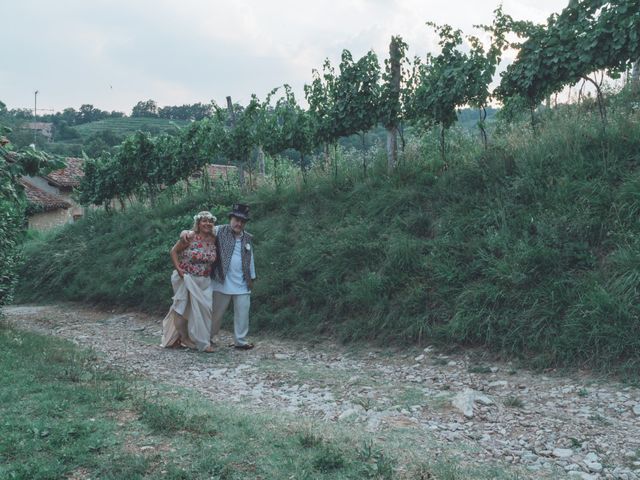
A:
[180,272]
[186,235]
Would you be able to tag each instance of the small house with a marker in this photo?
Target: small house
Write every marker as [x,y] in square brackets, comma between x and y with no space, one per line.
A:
[50,196]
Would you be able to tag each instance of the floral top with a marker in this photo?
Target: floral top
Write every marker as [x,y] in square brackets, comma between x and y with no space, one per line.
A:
[197,258]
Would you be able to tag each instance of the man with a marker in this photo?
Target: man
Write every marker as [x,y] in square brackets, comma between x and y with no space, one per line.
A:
[233,275]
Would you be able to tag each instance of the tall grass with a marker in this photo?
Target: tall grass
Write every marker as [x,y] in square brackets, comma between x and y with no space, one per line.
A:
[529,248]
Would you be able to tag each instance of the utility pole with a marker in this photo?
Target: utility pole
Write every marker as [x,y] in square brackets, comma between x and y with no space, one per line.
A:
[35,116]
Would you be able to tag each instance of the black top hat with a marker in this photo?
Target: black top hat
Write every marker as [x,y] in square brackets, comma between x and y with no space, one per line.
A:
[240,211]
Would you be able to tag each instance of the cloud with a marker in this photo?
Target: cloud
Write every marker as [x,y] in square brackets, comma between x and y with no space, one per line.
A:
[113,53]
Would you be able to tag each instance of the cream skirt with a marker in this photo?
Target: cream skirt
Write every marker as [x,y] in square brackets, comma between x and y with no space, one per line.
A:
[191,299]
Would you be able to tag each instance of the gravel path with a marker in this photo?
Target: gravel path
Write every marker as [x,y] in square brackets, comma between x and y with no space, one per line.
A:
[487,411]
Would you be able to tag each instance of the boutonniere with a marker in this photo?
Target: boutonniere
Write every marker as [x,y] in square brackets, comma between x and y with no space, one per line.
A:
[247,247]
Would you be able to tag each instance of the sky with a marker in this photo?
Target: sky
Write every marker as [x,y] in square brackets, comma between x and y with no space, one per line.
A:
[114,53]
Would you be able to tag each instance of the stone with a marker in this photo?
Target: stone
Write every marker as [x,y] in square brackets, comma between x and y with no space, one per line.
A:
[562,452]
[499,384]
[594,467]
[582,475]
[464,401]
[591,457]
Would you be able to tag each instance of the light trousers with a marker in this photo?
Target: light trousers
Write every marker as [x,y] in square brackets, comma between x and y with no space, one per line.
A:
[241,304]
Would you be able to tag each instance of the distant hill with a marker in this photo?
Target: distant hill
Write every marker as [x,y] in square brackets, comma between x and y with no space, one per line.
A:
[128,125]
[468,117]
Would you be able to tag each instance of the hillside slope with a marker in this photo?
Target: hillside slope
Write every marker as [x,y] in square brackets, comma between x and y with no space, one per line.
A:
[531,248]
[129,125]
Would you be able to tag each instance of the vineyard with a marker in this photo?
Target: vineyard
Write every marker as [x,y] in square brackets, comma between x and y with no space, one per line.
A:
[124,126]
[522,237]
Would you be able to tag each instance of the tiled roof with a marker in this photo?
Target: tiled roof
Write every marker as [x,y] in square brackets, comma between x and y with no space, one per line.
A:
[69,176]
[46,200]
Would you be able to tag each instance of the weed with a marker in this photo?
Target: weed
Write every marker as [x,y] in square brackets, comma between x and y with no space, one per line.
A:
[597,418]
[366,452]
[479,369]
[118,391]
[328,459]
[309,440]
[513,402]
[364,402]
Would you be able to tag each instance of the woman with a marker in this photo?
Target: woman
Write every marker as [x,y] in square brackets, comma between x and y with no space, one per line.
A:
[188,322]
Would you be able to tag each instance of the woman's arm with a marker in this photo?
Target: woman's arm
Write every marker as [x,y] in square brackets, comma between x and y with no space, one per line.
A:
[175,250]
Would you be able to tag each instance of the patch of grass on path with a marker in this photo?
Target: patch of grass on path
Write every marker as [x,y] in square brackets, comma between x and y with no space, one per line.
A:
[65,415]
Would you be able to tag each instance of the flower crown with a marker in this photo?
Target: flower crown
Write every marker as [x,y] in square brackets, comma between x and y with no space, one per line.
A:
[201,215]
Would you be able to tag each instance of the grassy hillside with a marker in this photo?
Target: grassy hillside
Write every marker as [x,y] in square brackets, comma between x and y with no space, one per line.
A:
[128,125]
[531,248]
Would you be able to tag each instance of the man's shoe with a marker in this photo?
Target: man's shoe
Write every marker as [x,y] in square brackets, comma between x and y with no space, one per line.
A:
[244,346]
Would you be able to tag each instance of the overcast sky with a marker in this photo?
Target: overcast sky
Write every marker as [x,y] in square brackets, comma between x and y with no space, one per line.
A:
[114,53]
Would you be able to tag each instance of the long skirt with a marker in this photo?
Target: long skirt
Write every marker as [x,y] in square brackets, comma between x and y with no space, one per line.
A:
[191,300]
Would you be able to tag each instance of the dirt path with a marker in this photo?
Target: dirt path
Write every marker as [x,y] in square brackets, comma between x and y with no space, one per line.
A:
[487,411]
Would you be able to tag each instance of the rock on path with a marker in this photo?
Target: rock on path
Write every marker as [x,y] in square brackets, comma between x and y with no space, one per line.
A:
[543,424]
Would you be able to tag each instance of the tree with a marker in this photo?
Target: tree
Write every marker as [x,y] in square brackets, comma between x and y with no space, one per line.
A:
[586,37]
[390,101]
[321,97]
[283,126]
[13,165]
[68,115]
[88,113]
[147,108]
[357,97]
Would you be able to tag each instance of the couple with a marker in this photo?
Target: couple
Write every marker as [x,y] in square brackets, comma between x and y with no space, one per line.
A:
[210,257]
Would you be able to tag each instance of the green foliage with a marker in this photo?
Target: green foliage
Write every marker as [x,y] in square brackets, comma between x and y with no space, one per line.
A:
[454,78]
[390,95]
[357,94]
[11,218]
[148,108]
[13,165]
[143,165]
[321,97]
[586,37]
[133,266]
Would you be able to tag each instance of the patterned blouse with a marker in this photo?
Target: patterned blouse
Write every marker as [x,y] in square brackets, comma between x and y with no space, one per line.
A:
[197,258]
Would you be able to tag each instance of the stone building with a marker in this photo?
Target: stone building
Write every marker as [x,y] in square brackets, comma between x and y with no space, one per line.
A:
[50,196]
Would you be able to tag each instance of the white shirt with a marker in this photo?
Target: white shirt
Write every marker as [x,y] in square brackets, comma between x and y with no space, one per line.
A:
[234,283]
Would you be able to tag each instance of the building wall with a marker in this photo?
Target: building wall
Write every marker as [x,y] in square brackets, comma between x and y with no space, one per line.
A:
[59,216]
[54,218]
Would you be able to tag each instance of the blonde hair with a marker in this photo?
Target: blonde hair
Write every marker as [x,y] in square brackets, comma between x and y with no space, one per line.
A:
[199,216]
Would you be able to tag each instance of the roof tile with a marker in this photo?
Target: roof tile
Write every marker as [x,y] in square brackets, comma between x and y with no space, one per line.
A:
[70,175]
[46,200]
